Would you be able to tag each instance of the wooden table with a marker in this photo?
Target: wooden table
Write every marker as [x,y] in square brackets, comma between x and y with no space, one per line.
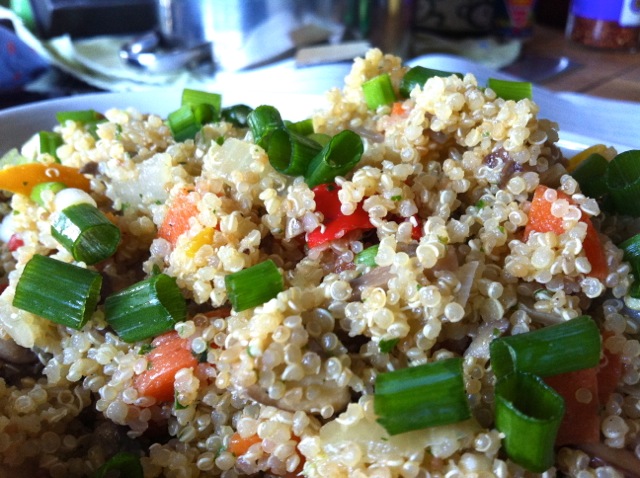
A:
[608,74]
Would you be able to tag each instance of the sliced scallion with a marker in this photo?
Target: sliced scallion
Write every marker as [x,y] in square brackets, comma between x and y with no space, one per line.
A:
[80,116]
[63,293]
[86,232]
[291,153]
[631,249]
[41,188]
[254,286]
[146,309]
[183,124]
[418,76]
[511,90]
[423,396]
[378,91]
[528,413]
[367,257]
[590,174]
[302,127]
[49,143]
[198,97]
[237,115]
[623,182]
[337,158]
[565,347]
[124,463]
[263,121]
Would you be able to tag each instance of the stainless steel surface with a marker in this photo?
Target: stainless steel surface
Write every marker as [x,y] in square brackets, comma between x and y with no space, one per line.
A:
[245,33]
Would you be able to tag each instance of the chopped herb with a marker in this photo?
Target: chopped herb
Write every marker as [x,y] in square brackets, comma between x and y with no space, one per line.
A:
[388,345]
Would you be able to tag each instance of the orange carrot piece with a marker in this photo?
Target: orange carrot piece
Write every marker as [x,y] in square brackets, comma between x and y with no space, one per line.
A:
[21,178]
[581,422]
[609,372]
[170,354]
[176,221]
[239,445]
[397,109]
[541,220]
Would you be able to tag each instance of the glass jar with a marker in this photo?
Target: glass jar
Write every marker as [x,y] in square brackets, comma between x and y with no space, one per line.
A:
[608,24]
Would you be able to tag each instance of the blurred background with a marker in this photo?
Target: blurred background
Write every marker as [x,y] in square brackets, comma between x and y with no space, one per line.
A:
[53,48]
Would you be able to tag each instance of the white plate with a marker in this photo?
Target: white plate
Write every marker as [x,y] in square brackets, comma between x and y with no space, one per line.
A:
[18,124]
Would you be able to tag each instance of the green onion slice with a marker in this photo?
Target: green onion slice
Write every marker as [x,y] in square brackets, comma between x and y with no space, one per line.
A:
[418,76]
[49,143]
[303,127]
[80,116]
[590,174]
[291,153]
[623,182]
[237,115]
[63,293]
[337,158]
[40,188]
[422,396]
[198,97]
[146,309]
[528,413]
[631,249]
[183,123]
[511,90]
[86,232]
[378,91]
[263,121]
[367,257]
[565,347]
[124,463]
[254,286]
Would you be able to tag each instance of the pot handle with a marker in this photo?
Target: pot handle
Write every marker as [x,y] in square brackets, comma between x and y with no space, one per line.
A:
[145,52]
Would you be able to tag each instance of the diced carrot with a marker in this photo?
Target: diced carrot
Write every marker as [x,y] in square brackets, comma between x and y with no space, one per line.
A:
[397,109]
[169,355]
[609,372]
[581,422]
[176,221]
[541,220]
[239,445]
[21,178]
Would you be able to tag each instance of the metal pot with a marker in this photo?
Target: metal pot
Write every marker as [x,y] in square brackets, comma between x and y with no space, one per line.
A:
[236,34]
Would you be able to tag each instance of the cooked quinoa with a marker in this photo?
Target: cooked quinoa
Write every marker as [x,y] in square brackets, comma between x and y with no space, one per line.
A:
[296,374]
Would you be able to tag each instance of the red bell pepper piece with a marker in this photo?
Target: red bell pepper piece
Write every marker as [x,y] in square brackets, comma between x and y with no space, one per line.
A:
[336,224]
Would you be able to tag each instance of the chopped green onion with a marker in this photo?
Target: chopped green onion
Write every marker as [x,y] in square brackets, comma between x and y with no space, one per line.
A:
[337,158]
[237,115]
[528,413]
[63,293]
[623,182]
[183,124]
[40,188]
[303,127]
[146,309]
[263,121]
[387,346]
[367,257]
[590,174]
[378,91]
[86,232]
[631,249]
[204,113]
[565,347]
[418,76]
[198,97]
[12,157]
[254,286]
[423,396]
[291,153]
[511,90]
[124,463]
[49,143]
[80,116]
[321,138]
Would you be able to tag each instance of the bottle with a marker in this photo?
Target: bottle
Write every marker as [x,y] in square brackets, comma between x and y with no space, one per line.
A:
[608,24]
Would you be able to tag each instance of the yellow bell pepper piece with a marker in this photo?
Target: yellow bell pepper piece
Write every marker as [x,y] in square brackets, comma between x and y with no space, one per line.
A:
[582,155]
[21,178]
[205,236]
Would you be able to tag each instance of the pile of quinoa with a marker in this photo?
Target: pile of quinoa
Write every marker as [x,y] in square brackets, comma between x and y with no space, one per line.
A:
[457,163]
